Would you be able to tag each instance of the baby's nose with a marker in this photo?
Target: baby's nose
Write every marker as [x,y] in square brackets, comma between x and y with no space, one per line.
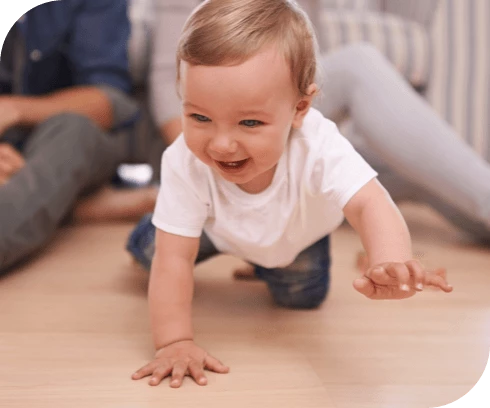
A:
[223,145]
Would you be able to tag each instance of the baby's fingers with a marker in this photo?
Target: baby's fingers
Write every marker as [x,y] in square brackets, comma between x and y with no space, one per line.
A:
[378,292]
[145,371]
[417,272]
[440,272]
[196,371]
[390,274]
[365,286]
[379,274]
[438,281]
[402,275]
[162,371]
[156,369]
[213,364]
[178,374]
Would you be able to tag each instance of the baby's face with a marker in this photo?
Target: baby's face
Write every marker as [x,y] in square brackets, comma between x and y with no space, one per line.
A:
[237,119]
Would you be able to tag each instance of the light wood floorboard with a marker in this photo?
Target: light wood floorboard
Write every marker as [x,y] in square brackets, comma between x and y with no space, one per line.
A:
[74,326]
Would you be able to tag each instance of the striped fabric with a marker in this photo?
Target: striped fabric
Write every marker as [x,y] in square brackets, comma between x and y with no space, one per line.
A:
[421,11]
[353,4]
[405,43]
[459,86]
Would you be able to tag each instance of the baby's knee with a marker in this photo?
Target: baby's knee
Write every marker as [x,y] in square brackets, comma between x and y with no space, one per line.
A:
[299,296]
[300,303]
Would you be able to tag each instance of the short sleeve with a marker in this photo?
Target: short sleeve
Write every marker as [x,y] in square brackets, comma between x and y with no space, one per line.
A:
[339,171]
[179,209]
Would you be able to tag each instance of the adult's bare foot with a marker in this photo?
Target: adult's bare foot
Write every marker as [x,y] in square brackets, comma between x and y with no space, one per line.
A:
[109,204]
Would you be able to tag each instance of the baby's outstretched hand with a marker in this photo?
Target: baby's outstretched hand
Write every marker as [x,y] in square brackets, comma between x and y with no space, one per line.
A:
[178,360]
[395,280]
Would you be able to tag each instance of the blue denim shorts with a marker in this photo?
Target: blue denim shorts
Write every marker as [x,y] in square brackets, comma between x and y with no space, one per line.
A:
[304,284]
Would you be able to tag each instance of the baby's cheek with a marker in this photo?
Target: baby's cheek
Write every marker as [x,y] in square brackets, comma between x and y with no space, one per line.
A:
[195,144]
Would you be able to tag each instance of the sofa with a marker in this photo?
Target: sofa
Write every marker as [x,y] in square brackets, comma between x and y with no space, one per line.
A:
[442,47]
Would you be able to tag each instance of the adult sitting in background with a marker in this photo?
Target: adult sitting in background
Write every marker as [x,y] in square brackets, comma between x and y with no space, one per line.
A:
[65,117]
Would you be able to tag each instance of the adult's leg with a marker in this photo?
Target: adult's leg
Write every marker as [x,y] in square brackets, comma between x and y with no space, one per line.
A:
[143,146]
[305,283]
[401,128]
[65,155]
[401,189]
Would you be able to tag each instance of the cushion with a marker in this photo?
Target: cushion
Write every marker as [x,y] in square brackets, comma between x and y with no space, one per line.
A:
[404,42]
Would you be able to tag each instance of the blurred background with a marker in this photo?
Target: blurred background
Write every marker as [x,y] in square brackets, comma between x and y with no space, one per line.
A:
[88,103]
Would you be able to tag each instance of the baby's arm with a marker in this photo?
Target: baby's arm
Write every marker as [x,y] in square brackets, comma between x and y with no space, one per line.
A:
[386,239]
[376,218]
[171,288]
[170,300]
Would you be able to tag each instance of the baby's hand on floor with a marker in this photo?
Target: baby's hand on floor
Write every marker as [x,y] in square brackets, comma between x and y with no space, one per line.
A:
[178,360]
[395,280]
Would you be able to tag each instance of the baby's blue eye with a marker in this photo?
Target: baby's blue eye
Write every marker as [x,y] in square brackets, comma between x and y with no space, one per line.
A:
[200,118]
[251,123]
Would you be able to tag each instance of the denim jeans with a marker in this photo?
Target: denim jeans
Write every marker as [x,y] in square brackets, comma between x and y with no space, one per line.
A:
[303,284]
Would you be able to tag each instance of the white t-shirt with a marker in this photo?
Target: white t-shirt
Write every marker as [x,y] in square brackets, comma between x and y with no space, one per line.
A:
[316,176]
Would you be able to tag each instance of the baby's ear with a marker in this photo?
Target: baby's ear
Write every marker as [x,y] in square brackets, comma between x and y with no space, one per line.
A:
[303,106]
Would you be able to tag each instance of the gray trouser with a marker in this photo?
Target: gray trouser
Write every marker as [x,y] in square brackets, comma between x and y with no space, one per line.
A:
[65,156]
[417,154]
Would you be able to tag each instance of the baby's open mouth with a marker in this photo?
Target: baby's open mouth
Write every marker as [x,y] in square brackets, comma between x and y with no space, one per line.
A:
[234,165]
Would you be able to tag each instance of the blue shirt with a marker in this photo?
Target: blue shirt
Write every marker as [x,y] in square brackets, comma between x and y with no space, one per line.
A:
[75,43]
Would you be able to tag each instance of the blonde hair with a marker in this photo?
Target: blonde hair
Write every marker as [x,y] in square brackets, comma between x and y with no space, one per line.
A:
[228,32]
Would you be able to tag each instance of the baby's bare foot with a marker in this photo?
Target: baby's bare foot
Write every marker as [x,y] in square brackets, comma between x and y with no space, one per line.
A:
[246,272]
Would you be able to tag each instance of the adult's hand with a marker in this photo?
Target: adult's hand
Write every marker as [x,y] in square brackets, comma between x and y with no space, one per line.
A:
[10,114]
[11,161]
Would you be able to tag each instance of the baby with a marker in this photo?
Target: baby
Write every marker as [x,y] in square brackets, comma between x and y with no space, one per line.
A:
[260,174]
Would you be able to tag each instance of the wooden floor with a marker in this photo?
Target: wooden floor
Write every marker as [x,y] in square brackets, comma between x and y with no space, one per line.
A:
[74,326]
